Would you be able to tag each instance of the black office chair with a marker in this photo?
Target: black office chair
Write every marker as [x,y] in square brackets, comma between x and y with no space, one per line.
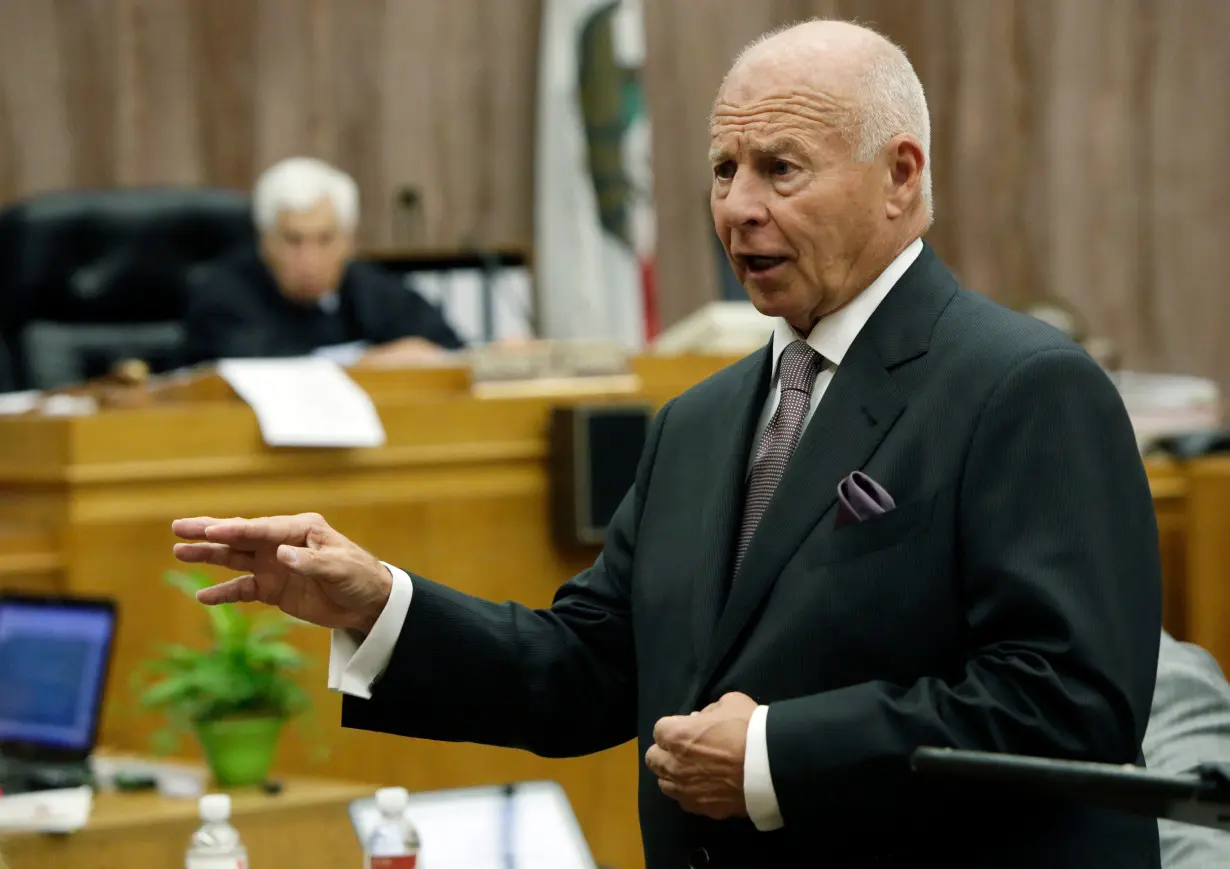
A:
[90,277]
[8,377]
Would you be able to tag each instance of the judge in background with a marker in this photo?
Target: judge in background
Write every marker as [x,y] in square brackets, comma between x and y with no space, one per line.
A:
[779,632]
[302,292]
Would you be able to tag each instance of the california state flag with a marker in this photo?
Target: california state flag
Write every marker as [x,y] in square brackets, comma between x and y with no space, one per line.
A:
[594,223]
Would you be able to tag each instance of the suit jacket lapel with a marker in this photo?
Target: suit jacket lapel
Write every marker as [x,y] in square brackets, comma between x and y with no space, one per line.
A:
[856,412]
[734,425]
[858,409]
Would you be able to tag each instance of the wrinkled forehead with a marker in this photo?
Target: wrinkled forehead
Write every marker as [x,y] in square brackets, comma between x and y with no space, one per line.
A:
[776,121]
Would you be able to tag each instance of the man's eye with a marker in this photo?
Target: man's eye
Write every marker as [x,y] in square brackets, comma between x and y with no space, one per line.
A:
[724,170]
[781,167]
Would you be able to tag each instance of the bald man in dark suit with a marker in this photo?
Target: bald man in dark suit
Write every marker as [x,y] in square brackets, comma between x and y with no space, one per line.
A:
[912,518]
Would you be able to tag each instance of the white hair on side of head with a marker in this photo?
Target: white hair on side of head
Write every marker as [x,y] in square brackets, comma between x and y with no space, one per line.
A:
[299,183]
[890,101]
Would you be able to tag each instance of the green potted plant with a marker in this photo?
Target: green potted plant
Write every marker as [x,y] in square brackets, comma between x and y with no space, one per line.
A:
[235,696]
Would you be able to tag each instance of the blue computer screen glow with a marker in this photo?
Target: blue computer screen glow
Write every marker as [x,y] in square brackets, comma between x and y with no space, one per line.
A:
[52,660]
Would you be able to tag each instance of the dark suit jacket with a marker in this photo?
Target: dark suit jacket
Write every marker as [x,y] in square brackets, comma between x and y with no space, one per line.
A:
[236,311]
[1011,602]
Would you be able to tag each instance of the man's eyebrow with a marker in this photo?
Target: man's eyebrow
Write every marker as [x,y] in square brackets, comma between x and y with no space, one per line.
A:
[771,148]
[778,147]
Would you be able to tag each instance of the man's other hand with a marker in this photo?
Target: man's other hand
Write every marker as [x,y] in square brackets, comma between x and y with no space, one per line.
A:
[698,758]
[296,563]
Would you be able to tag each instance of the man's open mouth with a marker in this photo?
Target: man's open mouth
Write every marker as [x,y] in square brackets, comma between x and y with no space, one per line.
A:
[756,264]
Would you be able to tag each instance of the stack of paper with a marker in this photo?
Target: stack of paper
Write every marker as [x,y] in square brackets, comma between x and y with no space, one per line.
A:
[1161,405]
[56,811]
[305,402]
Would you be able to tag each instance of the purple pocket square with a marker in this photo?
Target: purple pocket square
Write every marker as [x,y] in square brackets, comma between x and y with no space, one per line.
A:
[860,498]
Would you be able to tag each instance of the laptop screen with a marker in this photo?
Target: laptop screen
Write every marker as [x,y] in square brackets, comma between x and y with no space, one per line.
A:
[54,655]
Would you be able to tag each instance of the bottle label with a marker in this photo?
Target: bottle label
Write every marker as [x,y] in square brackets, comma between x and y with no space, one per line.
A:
[406,861]
[206,861]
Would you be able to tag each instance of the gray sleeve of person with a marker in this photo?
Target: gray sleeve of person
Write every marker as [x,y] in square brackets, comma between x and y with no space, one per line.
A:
[1189,724]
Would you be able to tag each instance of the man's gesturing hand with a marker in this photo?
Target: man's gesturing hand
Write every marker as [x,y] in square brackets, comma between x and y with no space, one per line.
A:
[296,563]
[698,758]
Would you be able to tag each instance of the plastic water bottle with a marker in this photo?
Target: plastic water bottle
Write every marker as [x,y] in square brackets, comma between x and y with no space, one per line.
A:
[394,843]
[216,844]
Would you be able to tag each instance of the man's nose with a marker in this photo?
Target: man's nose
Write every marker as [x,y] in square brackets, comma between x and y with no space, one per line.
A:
[310,256]
[744,203]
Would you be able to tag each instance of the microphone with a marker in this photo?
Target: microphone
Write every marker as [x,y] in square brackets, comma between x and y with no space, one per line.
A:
[408,214]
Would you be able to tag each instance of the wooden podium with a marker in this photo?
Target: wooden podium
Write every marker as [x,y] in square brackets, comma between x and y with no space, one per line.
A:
[459,493]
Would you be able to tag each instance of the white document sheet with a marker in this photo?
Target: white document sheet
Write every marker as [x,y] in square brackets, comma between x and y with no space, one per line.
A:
[305,402]
[18,402]
[482,828]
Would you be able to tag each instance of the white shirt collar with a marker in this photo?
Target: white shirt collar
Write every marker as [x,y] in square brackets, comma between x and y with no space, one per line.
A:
[834,334]
[330,303]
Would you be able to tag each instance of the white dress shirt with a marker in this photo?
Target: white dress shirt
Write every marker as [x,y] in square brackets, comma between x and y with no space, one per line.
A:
[355,662]
[330,303]
[831,338]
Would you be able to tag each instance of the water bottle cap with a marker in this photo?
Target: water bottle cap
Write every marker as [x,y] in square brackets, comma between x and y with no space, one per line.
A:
[215,808]
[392,801]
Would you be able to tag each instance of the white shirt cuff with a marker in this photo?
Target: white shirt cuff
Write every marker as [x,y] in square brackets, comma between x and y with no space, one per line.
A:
[355,662]
[758,791]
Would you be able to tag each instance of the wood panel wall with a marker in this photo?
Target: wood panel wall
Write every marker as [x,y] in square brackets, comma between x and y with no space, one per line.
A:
[1076,143]
[1074,146]
[436,95]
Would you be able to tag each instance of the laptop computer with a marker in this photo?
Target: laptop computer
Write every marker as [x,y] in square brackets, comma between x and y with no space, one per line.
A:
[55,655]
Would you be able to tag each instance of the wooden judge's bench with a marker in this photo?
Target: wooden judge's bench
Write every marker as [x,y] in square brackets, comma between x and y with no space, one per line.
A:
[459,492]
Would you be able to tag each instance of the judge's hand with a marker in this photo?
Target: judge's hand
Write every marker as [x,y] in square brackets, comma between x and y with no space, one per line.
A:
[296,563]
[698,758]
[403,351]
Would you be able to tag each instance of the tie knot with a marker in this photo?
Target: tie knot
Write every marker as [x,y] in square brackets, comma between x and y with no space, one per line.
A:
[799,366]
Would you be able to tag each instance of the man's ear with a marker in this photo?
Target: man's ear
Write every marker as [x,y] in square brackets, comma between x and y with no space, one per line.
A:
[903,179]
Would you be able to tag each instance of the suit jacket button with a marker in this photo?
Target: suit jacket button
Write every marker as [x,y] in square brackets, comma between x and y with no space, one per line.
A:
[698,859]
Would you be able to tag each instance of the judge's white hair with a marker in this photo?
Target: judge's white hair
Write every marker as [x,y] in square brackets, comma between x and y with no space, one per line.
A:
[889,100]
[300,183]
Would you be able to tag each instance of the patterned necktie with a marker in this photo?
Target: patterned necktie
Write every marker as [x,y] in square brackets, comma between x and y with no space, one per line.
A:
[799,366]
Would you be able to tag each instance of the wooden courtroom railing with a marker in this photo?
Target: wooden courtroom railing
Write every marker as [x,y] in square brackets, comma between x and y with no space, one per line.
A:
[1168,481]
[1208,557]
[458,493]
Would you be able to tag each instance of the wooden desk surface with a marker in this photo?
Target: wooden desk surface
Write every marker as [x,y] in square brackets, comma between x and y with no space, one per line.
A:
[121,811]
[307,825]
[204,430]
